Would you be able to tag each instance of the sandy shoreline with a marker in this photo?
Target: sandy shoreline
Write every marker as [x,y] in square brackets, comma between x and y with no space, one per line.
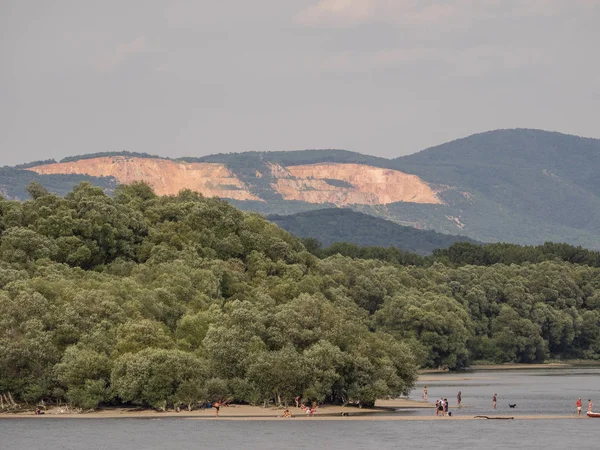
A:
[384,410]
[275,415]
[507,366]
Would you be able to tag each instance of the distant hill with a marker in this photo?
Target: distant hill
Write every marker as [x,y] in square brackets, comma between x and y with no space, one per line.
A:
[344,225]
[521,186]
[516,184]
[13,182]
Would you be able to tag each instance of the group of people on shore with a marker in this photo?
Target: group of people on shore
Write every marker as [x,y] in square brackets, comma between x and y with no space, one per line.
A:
[308,410]
[442,405]
[579,405]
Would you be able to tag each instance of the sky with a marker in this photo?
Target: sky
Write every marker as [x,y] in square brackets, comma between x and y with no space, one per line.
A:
[381,77]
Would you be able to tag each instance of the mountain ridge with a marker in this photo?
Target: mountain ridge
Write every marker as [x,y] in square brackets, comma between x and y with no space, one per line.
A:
[524,186]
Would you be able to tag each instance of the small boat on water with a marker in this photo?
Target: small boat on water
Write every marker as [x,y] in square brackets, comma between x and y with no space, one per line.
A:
[595,415]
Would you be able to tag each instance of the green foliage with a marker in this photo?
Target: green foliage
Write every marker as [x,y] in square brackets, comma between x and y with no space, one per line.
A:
[154,377]
[489,254]
[175,301]
[171,301]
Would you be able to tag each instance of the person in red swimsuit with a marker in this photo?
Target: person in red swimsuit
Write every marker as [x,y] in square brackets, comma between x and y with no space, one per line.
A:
[578,404]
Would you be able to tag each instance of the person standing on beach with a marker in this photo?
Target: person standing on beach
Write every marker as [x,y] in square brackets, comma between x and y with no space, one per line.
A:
[217,406]
[459,398]
[425,393]
[494,400]
[297,400]
[578,404]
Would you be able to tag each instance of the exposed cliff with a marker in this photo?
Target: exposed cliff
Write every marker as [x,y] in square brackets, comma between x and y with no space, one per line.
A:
[167,177]
[327,183]
[350,184]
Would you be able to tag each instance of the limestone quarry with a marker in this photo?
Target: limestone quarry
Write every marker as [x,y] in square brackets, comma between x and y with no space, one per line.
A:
[167,177]
[361,185]
[332,183]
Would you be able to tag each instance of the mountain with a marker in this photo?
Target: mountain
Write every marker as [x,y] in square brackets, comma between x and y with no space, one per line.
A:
[516,183]
[344,225]
[14,182]
[521,186]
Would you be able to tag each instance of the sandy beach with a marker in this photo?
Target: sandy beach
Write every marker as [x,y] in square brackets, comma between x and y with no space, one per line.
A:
[244,412]
[383,411]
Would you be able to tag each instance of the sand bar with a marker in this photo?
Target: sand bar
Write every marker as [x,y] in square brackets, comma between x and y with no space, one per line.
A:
[246,412]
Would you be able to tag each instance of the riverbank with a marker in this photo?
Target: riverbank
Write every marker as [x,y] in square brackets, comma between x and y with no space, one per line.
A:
[254,413]
[231,411]
[572,363]
[520,366]
[512,386]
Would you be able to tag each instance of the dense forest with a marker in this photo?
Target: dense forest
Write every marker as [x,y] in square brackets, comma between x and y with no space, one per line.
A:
[173,301]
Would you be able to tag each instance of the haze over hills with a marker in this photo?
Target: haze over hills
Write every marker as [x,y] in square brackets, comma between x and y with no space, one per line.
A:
[522,186]
[344,225]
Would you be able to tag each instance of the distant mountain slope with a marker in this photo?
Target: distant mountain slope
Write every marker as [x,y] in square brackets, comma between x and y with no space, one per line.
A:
[521,186]
[13,182]
[344,225]
[547,176]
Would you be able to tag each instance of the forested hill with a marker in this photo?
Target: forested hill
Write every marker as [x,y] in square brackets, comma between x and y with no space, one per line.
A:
[548,179]
[175,300]
[521,186]
[14,181]
[345,225]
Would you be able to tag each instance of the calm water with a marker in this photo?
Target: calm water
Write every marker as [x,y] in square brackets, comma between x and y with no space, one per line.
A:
[551,391]
[535,392]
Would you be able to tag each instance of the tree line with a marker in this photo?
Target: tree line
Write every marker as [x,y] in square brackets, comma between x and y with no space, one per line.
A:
[177,300]
[462,253]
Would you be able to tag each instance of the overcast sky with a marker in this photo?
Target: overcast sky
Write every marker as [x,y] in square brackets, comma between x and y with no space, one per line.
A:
[383,77]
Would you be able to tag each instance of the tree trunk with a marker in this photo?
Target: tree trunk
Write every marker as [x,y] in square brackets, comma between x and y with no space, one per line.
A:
[12,402]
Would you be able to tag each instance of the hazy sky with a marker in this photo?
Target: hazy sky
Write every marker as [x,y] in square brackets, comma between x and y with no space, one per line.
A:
[383,77]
